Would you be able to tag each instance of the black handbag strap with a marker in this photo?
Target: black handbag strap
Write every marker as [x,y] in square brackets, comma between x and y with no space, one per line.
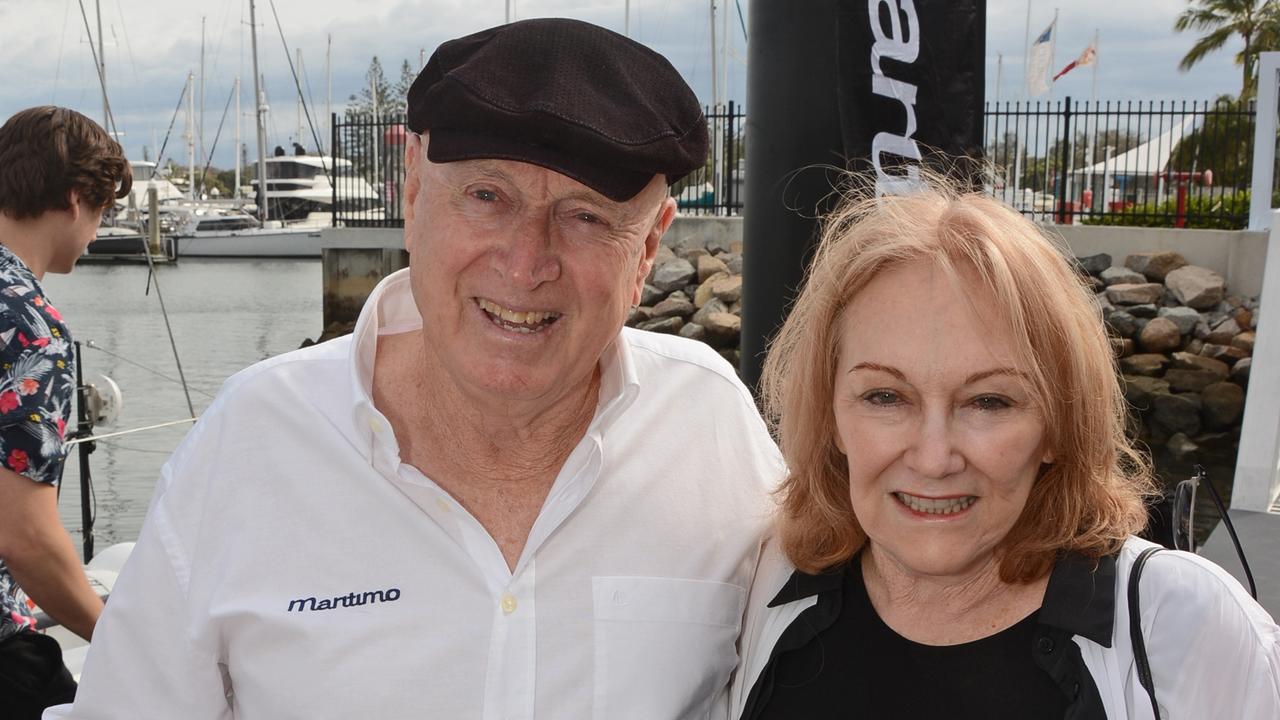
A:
[1135,629]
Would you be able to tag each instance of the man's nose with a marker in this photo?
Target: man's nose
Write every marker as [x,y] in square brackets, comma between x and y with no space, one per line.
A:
[529,257]
[933,452]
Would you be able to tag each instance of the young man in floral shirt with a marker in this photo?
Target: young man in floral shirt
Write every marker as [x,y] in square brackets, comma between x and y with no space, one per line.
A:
[59,172]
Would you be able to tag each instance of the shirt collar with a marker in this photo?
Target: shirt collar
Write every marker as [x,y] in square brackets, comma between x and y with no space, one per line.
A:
[1080,597]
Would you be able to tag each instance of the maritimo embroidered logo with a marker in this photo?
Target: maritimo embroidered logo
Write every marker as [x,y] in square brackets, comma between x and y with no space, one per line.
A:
[352,599]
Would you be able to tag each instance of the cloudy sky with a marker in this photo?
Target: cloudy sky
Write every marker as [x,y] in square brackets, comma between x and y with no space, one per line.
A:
[151,45]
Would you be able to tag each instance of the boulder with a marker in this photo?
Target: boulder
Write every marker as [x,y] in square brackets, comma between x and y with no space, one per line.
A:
[1160,335]
[1190,380]
[673,275]
[1121,276]
[712,305]
[1122,324]
[731,355]
[1144,311]
[691,254]
[1243,318]
[733,261]
[1244,341]
[670,325]
[704,291]
[1184,317]
[1135,293]
[1155,265]
[1188,361]
[723,326]
[639,315]
[665,255]
[1240,372]
[1194,346]
[708,266]
[718,244]
[1094,264]
[1121,347]
[1148,364]
[1181,446]
[677,305]
[1101,302]
[1222,404]
[1139,391]
[1197,287]
[1176,413]
[1226,353]
[728,289]
[651,295]
[693,331]
[1223,332]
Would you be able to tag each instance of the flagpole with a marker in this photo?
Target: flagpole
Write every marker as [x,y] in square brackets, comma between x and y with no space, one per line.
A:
[1053,59]
[1026,95]
[1093,91]
[1093,99]
[999,75]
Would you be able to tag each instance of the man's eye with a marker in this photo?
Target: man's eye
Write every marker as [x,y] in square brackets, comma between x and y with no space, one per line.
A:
[484,195]
[587,217]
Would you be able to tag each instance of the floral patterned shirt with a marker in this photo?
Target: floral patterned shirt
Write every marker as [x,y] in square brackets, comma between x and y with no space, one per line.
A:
[37,382]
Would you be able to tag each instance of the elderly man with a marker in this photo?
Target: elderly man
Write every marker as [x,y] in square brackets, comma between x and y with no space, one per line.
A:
[490,501]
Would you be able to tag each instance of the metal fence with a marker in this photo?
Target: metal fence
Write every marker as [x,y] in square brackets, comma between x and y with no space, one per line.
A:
[369,151]
[1170,164]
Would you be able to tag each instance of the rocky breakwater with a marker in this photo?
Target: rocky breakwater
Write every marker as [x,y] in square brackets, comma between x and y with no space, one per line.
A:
[1184,345]
[695,290]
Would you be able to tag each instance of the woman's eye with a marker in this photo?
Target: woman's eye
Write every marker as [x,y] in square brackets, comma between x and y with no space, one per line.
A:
[991,402]
[882,397]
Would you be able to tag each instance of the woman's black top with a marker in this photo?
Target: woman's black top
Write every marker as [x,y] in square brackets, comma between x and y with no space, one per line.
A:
[858,667]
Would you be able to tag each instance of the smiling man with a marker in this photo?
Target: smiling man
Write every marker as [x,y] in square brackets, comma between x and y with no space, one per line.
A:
[491,500]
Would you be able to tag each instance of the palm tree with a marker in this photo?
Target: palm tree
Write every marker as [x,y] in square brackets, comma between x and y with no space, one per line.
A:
[1257,22]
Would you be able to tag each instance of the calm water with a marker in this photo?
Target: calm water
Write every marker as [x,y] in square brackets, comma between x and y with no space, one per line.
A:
[225,315]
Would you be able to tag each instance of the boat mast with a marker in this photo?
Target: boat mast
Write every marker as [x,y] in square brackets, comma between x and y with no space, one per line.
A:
[262,115]
[235,192]
[191,137]
[102,72]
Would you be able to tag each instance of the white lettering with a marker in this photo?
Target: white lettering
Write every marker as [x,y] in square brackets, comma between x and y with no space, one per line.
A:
[890,43]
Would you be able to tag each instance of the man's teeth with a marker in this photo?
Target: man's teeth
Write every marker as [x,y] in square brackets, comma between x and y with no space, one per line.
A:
[515,317]
[942,506]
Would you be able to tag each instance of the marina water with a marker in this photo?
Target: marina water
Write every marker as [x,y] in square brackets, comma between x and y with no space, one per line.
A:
[225,315]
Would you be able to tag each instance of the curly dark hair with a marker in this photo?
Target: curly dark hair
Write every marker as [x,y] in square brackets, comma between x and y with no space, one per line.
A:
[47,151]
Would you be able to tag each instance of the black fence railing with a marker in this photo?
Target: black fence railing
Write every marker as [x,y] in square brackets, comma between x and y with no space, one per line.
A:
[369,177]
[1170,164]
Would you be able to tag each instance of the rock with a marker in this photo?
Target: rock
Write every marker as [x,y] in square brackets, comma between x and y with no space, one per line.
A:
[1122,324]
[1094,264]
[1139,391]
[1194,346]
[1244,341]
[1121,347]
[1177,413]
[639,315]
[723,326]
[728,289]
[1184,317]
[736,308]
[1225,353]
[1188,361]
[708,266]
[1095,285]
[1243,318]
[1223,332]
[1121,276]
[1169,300]
[1201,330]
[1155,265]
[1240,372]
[713,305]
[1145,311]
[1222,404]
[651,295]
[1160,335]
[673,275]
[1196,287]
[665,255]
[693,331]
[704,292]
[736,247]
[1149,364]
[1181,446]
[677,305]
[719,244]
[668,325]
[1134,293]
[1190,380]
[733,261]
[732,355]
[1101,302]
[692,254]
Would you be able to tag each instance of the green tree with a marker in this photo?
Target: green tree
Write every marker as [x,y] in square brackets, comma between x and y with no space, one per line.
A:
[1223,144]
[401,94]
[362,103]
[1257,22]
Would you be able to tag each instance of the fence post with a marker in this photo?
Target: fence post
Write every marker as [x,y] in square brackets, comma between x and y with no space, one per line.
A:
[1264,141]
[1063,198]
[333,168]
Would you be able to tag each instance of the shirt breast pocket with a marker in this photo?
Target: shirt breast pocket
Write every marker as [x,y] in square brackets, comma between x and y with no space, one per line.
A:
[664,647]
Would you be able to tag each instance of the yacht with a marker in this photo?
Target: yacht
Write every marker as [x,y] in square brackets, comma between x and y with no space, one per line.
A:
[299,185]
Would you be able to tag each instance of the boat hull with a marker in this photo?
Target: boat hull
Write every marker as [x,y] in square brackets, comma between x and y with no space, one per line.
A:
[297,242]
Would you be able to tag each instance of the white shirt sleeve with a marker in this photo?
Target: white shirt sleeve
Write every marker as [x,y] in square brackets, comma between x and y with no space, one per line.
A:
[1214,652]
[145,660]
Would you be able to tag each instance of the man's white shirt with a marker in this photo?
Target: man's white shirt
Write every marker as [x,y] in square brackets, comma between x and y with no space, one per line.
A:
[292,566]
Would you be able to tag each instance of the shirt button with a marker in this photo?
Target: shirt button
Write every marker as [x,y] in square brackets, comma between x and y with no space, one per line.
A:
[508,604]
[442,504]
[1045,644]
[374,425]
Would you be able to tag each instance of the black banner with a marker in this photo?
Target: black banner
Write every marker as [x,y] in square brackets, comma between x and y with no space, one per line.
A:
[911,86]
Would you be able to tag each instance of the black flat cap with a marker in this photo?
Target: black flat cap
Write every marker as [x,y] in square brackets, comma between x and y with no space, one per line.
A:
[569,96]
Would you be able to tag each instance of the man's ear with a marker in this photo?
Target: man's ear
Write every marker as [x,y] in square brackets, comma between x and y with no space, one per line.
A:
[415,153]
[73,204]
[662,222]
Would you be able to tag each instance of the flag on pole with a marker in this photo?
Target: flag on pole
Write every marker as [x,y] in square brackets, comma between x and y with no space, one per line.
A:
[1086,58]
[1038,62]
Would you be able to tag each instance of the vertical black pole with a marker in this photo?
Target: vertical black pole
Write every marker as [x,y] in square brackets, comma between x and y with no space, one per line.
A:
[83,430]
[333,167]
[1066,155]
[794,129]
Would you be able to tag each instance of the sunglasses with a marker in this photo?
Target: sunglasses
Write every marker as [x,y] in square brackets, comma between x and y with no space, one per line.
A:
[1184,520]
